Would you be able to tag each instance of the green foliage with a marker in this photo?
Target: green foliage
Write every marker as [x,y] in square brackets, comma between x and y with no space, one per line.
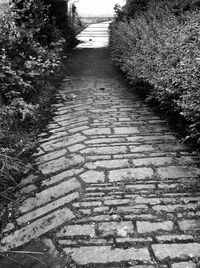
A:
[135,7]
[33,35]
[162,50]
[24,62]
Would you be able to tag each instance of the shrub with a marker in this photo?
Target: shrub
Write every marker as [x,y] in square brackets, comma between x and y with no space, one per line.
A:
[32,40]
[134,7]
[160,49]
[24,62]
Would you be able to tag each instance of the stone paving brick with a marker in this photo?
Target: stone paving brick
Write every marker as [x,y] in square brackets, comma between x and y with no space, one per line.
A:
[172,147]
[142,217]
[77,230]
[60,164]
[140,187]
[101,209]
[178,172]
[130,174]
[182,251]
[105,141]
[147,227]
[28,189]
[63,143]
[61,176]
[184,265]
[174,238]
[106,254]
[93,176]
[105,150]
[83,242]
[76,148]
[132,209]
[87,204]
[141,148]
[133,240]
[50,156]
[98,157]
[142,200]
[177,207]
[74,121]
[116,202]
[49,195]
[126,130]
[158,161]
[43,210]
[31,179]
[189,225]
[98,218]
[36,229]
[108,164]
[151,138]
[78,129]
[85,211]
[97,131]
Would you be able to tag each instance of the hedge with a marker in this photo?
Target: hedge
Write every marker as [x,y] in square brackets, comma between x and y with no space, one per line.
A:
[163,50]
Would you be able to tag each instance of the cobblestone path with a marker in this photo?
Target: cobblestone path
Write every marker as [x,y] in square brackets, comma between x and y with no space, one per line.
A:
[115,188]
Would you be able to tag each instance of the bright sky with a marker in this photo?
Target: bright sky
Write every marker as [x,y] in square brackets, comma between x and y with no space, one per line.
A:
[97,7]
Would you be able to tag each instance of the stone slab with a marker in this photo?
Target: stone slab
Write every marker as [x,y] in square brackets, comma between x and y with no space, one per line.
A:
[106,254]
[130,174]
[49,195]
[36,229]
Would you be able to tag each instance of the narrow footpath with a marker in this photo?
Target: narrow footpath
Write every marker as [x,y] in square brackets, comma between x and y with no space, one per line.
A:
[113,186]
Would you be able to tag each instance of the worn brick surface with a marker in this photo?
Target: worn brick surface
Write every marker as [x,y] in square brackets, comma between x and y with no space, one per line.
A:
[111,184]
[105,254]
[182,251]
[147,227]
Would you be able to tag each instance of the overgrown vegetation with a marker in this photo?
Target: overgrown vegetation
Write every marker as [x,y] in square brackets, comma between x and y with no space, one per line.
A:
[33,36]
[158,43]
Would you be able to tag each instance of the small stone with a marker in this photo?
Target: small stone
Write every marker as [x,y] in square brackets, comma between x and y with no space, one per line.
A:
[184,265]
[77,230]
[28,180]
[93,176]
[9,227]
[29,189]
[182,251]
[52,249]
[147,227]
[189,225]
[123,228]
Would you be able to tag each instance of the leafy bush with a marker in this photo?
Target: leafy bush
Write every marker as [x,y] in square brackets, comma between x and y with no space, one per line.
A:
[134,7]
[24,63]
[33,35]
[162,50]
